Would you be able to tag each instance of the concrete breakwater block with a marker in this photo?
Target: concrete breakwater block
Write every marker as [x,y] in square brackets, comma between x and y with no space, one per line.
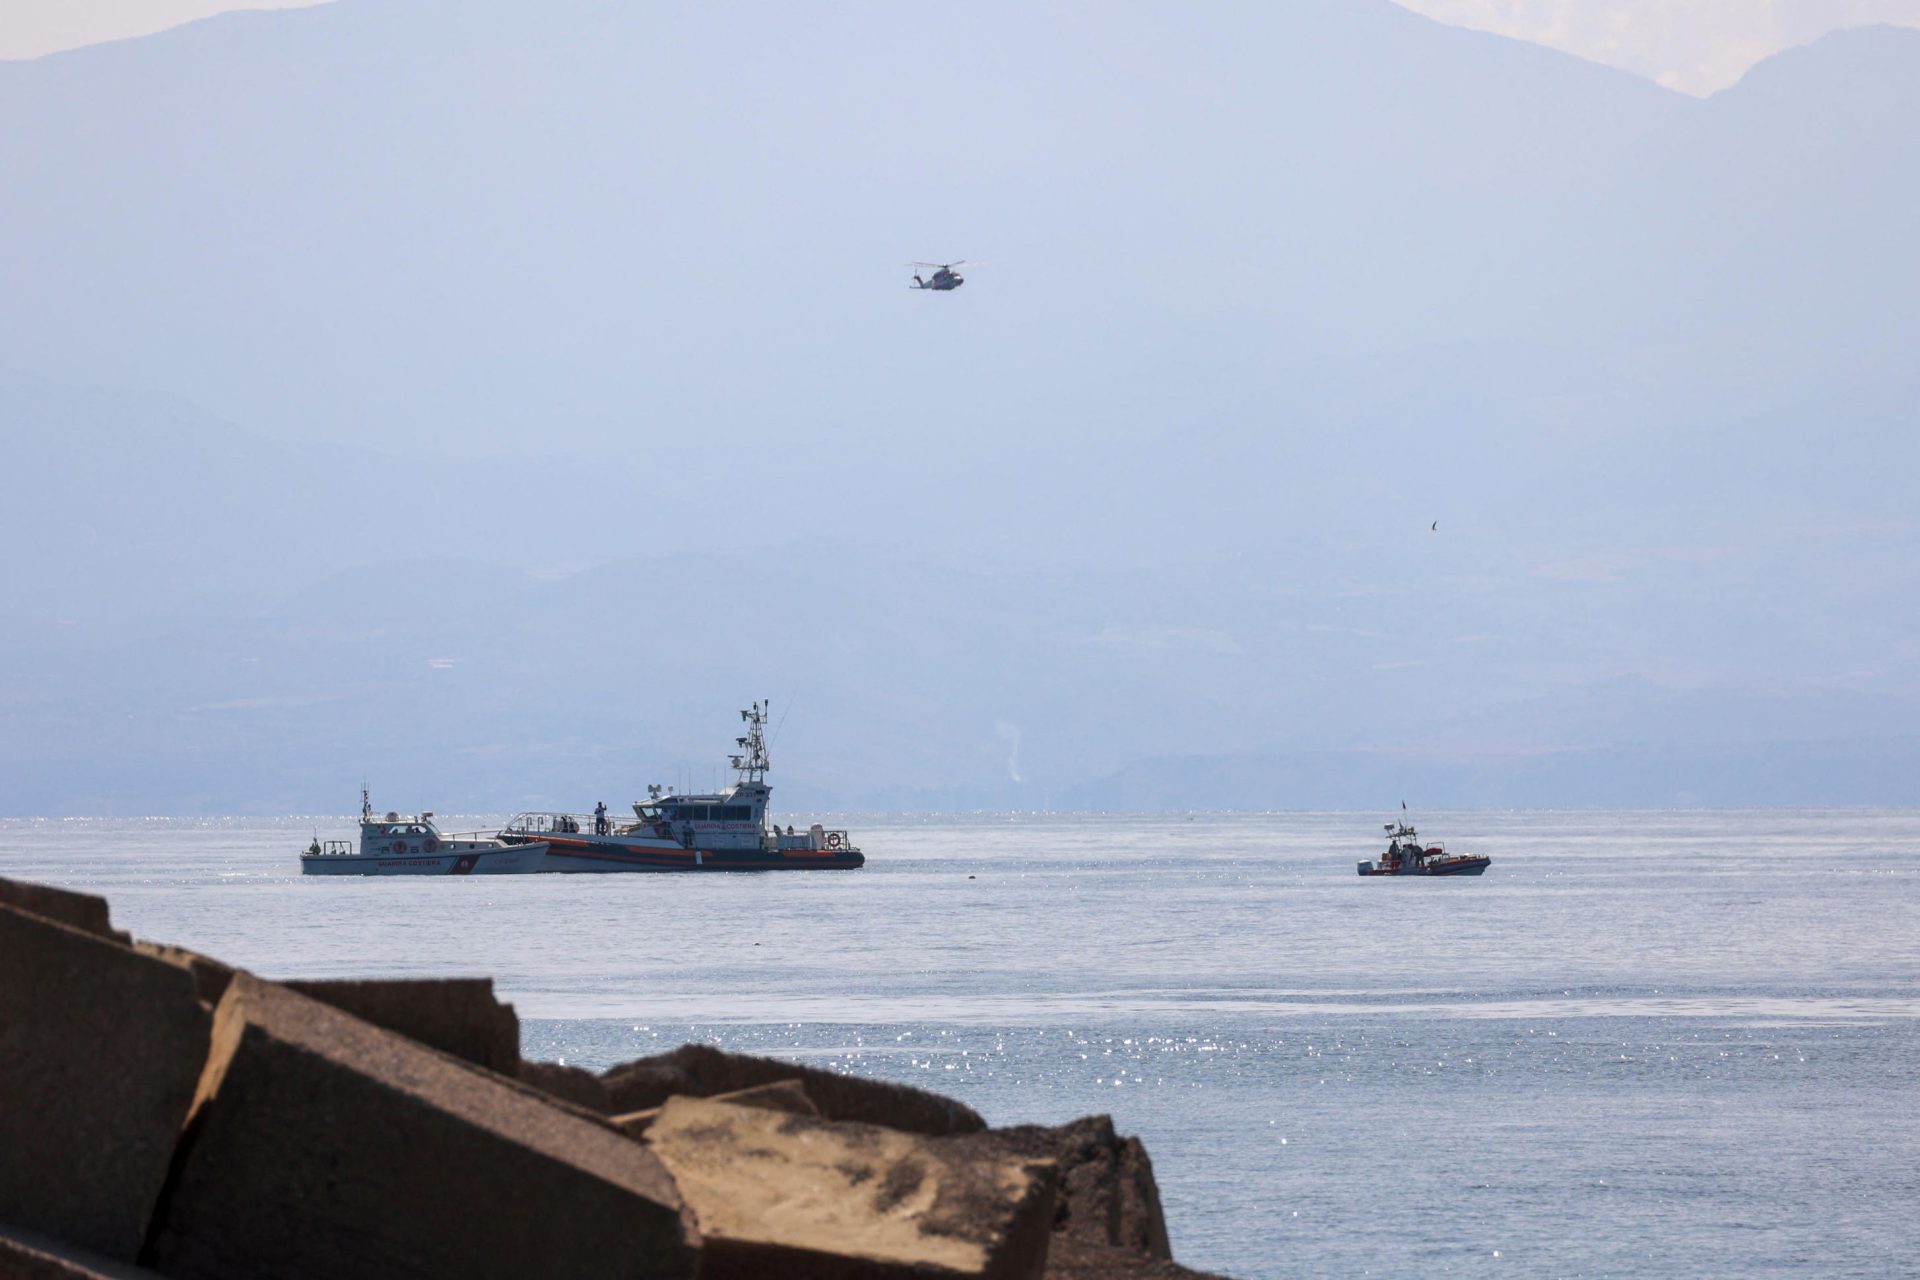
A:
[701,1071]
[210,976]
[83,911]
[1073,1258]
[1108,1195]
[27,1256]
[100,1051]
[778,1194]
[782,1095]
[389,1128]
[454,1015]
[570,1084]
[321,1146]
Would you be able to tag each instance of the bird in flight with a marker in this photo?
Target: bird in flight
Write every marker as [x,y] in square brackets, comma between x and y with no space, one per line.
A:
[1434,528]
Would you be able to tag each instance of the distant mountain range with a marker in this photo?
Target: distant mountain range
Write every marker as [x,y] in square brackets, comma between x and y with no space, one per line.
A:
[485,400]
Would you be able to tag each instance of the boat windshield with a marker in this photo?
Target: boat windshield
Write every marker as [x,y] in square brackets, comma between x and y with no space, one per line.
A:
[647,812]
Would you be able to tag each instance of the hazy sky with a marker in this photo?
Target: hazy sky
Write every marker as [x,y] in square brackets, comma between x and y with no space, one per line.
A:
[1514,431]
[1696,46]
[33,27]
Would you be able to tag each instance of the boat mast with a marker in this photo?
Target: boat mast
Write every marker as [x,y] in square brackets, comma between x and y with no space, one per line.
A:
[752,763]
[366,805]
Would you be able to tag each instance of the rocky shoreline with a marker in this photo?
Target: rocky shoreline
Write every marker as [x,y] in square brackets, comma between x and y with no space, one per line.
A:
[165,1114]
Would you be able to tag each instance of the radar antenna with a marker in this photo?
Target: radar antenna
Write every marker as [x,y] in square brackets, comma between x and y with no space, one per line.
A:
[752,763]
[366,805]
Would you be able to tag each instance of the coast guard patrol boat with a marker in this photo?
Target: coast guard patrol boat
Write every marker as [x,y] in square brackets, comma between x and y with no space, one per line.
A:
[411,845]
[723,831]
[1406,856]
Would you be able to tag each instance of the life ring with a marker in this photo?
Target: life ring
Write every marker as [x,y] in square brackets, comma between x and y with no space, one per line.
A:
[399,846]
[833,839]
[433,846]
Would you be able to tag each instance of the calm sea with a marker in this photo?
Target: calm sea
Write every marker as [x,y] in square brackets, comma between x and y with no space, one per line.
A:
[1643,1044]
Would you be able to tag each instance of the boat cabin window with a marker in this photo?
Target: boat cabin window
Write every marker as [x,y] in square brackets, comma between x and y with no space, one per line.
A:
[681,812]
[717,812]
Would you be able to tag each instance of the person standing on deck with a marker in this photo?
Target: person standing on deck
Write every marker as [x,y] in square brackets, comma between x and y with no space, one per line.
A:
[600,818]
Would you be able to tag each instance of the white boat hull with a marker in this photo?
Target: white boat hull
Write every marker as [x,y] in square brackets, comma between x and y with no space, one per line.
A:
[451,860]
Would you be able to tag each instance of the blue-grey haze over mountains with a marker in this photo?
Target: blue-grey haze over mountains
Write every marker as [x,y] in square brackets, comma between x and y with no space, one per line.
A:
[487,401]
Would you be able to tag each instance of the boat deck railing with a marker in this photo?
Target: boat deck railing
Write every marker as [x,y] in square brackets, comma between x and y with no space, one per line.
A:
[470,837]
[540,824]
[814,840]
[332,849]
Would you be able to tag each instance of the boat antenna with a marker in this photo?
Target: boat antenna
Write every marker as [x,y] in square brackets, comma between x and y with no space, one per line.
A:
[777,729]
[366,805]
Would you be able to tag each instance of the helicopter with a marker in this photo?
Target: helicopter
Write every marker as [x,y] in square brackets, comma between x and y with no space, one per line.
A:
[944,276]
